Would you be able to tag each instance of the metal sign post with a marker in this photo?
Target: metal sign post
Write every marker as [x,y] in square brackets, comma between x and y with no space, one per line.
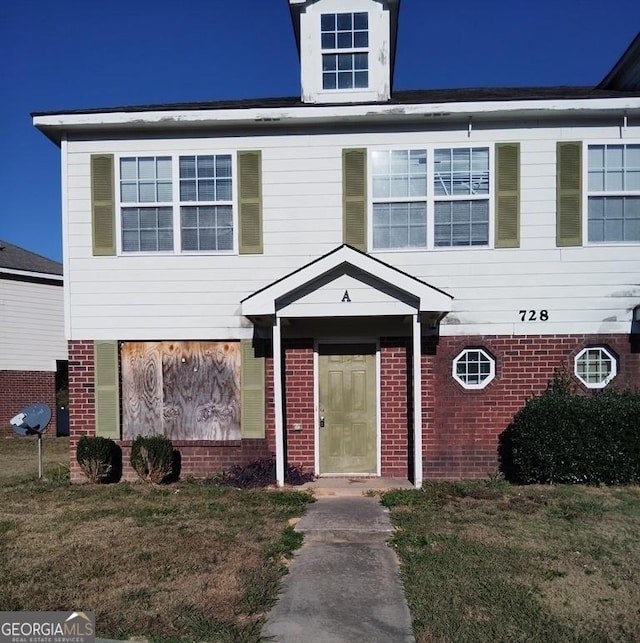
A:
[33,420]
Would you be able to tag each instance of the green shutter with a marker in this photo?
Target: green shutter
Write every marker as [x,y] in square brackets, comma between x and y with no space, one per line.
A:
[106,389]
[253,385]
[103,222]
[569,194]
[250,201]
[354,190]
[508,195]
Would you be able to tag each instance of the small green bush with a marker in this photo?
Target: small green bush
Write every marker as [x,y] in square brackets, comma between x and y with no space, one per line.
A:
[96,457]
[152,457]
[564,438]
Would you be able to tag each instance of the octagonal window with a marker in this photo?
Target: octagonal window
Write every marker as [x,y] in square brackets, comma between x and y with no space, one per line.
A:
[474,368]
[595,367]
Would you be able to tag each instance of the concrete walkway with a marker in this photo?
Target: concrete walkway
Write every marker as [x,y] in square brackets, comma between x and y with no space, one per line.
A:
[343,584]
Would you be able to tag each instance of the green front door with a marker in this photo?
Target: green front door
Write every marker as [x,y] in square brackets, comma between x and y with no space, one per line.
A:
[347,396]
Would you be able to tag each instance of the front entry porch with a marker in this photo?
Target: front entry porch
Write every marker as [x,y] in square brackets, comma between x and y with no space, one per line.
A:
[347,332]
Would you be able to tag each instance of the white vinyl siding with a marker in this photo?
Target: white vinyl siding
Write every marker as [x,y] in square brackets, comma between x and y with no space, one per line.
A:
[588,289]
[32,333]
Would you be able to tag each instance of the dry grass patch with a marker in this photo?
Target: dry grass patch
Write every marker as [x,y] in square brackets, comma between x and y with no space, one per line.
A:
[19,456]
[487,561]
[190,562]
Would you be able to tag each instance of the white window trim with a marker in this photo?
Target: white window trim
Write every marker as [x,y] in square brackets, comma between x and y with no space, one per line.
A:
[609,378]
[175,203]
[431,197]
[586,193]
[486,381]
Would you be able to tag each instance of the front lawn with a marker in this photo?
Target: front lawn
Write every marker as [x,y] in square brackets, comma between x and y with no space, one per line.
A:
[487,561]
[187,562]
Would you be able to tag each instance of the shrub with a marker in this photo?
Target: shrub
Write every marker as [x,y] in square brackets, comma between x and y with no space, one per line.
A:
[262,473]
[96,457]
[564,438]
[152,457]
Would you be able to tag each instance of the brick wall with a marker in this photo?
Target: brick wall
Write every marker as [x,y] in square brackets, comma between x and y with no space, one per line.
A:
[395,370]
[299,405]
[20,388]
[197,458]
[461,426]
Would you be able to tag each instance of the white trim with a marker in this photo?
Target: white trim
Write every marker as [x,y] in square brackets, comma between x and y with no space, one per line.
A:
[316,403]
[264,301]
[66,267]
[606,380]
[277,401]
[175,117]
[32,275]
[417,402]
[492,370]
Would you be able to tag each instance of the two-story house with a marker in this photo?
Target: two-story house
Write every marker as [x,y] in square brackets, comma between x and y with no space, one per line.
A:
[361,281]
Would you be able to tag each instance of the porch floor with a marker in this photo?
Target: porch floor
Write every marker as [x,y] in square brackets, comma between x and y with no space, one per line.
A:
[354,486]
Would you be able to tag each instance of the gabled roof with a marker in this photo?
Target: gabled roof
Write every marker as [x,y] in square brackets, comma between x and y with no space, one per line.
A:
[625,75]
[14,258]
[346,260]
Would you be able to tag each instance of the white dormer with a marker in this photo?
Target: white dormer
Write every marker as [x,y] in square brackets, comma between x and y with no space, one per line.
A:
[347,49]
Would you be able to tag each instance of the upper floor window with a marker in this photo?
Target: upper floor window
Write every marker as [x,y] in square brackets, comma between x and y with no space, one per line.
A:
[614,193]
[454,211]
[399,199]
[461,187]
[150,203]
[146,180]
[345,50]
[206,184]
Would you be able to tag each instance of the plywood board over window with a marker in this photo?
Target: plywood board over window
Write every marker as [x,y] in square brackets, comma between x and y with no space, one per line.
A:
[183,390]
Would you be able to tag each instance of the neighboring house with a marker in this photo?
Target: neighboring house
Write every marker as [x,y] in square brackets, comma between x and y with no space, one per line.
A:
[33,348]
[361,281]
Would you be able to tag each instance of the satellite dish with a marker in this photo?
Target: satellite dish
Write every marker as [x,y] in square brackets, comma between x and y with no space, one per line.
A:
[33,420]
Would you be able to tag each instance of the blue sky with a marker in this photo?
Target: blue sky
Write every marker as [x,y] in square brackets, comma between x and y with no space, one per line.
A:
[66,54]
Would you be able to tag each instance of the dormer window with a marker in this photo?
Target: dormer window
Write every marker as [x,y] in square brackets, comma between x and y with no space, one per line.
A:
[345,50]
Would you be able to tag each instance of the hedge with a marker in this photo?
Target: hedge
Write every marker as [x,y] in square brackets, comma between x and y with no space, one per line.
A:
[564,438]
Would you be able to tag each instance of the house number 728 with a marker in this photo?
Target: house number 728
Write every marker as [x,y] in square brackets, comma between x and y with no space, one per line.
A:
[534,315]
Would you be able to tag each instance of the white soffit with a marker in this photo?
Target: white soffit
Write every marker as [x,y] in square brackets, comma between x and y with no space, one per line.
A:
[362,268]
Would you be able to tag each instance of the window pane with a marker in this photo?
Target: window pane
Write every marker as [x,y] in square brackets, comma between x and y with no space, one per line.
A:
[361,61]
[128,169]
[596,157]
[633,180]
[596,181]
[614,180]
[223,166]
[328,21]
[224,190]
[328,41]
[361,39]
[345,40]
[345,21]
[165,240]
[130,218]
[345,80]
[361,79]
[147,192]
[190,239]
[129,192]
[164,191]
[361,20]
[130,242]
[206,190]
[205,165]
[164,167]
[613,156]
[329,62]
[187,190]
[147,168]
[345,61]
[187,167]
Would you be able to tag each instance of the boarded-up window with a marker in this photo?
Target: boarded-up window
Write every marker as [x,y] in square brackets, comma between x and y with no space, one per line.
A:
[183,390]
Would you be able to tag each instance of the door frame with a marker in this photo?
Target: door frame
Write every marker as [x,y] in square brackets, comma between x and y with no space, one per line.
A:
[316,402]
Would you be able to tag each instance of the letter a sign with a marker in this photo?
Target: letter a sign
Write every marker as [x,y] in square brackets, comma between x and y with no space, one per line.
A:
[345,297]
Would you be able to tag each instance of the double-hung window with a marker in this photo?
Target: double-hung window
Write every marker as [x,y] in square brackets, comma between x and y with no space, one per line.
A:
[430,198]
[146,195]
[206,209]
[461,196]
[399,187]
[177,203]
[614,193]
[345,50]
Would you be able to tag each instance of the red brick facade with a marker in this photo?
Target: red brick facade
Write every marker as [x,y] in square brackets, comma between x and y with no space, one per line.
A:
[200,459]
[460,427]
[19,388]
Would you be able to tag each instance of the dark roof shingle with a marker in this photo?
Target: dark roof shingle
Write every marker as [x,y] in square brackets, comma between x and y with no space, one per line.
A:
[16,258]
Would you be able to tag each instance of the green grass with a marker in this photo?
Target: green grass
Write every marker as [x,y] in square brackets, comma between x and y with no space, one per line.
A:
[188,562]
[485,561]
